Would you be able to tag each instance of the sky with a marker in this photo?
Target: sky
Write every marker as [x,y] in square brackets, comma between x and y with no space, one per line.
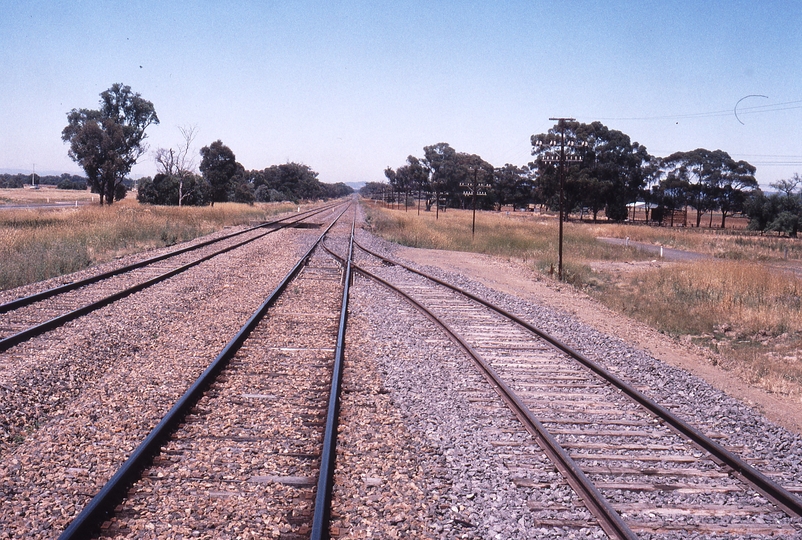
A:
[352,87]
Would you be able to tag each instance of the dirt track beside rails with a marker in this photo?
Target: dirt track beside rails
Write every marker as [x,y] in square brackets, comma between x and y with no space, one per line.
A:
[516,278]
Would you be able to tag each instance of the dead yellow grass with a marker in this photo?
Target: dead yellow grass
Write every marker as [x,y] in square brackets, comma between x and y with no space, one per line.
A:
[725,244]
[744,304]
[38,244]
[527,236]
[748,311]
[47,194]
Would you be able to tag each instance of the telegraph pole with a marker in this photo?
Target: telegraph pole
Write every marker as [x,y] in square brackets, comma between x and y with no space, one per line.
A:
[477,189]
[561,158]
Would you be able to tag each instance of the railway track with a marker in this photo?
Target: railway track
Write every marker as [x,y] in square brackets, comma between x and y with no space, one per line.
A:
[33,315]
[75,402]
[240,454]
[639,471]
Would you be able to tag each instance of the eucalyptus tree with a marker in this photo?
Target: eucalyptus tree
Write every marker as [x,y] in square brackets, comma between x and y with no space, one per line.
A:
[440,159]
[219,167]
[405,181]
[107,142]
[513,185]
[788,186]
[714,180]
[650,192]
[607,174]
[779,212]
[419,177]
[392,179]
[614,166]
[736,181]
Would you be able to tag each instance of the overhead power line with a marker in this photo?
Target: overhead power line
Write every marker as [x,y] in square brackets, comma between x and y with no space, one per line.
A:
[755,109]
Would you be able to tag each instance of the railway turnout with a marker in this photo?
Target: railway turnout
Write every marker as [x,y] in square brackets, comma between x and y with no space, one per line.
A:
[285,382]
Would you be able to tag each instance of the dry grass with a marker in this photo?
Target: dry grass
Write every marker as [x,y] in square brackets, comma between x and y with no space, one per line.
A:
[726,244]
[529,236]
[39,244]
[744,304]
[47,194]
[750,312]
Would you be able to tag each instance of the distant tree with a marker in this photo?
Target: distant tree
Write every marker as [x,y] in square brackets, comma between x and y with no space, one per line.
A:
[441,160]
[778,212]
[737,180]
[617,164]
[107,142]
[69,181]
[179,162]
[373,190]
[410,177]
[334,191]
[608,176]
[513,185]
[392,180]
[164,189]
[242,192]
[473,171]
[547,182]
[418,177]
[300,180]
[649,192]
[287,182]
[219,167]
[788,186]
[786,223]
[713,179]
[674,194]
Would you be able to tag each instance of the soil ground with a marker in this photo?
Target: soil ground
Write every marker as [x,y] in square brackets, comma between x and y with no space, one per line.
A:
[515,278]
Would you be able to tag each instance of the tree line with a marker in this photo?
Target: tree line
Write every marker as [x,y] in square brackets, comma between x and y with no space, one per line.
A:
[222,178]
[107,142]
[63,181]
[604,173]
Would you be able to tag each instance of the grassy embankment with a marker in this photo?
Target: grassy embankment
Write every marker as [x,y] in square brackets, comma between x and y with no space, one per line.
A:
[744,303]
[37,244]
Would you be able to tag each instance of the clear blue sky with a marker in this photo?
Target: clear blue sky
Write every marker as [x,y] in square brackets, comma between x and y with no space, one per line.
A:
[350,87]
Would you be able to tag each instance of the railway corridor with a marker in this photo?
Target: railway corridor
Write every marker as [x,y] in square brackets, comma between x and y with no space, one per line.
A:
[429,442]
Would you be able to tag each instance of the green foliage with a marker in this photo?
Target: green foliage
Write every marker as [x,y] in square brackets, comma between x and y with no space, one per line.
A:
[107,142]
[708,180]
[514,185]
[224,179]
[373,190]
[607,169]
[242,192]
[72,182]
[163,189]
[219,167]
[333,191]
[292,182]
[778,212]
[64,181]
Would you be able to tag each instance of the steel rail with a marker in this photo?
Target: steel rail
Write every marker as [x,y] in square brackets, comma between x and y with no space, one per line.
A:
[784,499]
[102,505]
[43,295]
[325,483]
[609,520]
[15,339]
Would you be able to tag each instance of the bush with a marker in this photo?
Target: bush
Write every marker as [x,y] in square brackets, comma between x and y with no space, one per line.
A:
[616,212]
[164,190]
[68,183]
